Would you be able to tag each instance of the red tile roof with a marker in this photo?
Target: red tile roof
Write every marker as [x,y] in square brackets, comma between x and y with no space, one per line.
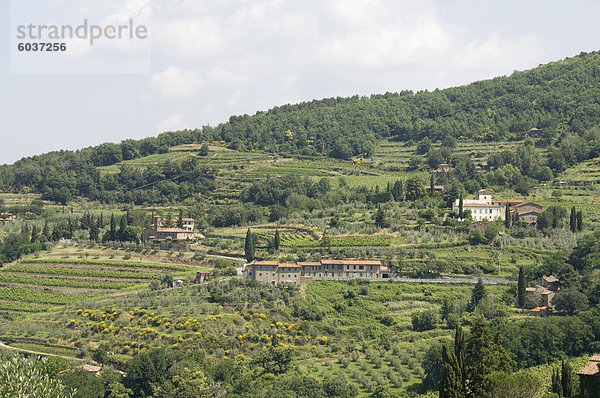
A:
[351,262]
[265,263]
[591,368]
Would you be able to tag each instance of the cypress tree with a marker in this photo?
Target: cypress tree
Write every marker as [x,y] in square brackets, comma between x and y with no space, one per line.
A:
[573,220]
[94,230]
[450,385]
[34,234]
[556,383]
[46,232]
[380,218]
[507,219]
[580,220]
[71,228]
[445,310]
[122,226]
[249,246]
[277,240]
[431,184]
[112,233]
[399,190]
[521,289]
[453,383]
[566,376]
[460,206]
[180,219]
[460,353]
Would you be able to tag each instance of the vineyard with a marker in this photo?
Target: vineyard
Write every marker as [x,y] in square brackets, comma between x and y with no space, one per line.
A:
[306,241]
[37,284]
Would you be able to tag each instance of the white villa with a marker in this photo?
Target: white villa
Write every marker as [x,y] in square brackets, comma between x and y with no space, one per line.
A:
[484,207]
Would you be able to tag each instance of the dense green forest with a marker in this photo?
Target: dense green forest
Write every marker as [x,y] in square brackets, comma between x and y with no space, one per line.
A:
[560,98]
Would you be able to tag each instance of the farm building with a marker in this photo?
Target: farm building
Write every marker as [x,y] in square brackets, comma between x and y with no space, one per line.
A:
[159,230]
[274,272]
[527,212]
[539,298]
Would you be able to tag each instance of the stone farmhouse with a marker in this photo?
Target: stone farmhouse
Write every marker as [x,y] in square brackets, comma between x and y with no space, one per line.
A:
[539,298]
[273,272]
[527,212]
[159,230]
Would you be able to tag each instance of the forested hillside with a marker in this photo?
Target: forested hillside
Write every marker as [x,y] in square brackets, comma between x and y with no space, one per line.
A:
[560,97]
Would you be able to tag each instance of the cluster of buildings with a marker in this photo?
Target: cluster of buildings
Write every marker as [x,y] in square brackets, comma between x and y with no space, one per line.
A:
[485,207]
[165,229]
[538,299]
[273,272]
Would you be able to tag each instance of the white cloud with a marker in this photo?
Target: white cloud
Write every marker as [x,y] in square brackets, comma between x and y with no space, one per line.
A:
[175,83]
[171,123]
[496,51]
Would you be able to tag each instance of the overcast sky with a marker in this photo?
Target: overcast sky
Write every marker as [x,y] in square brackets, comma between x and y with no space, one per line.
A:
[213,59]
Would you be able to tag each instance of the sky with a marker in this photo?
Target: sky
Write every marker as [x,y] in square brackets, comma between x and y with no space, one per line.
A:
[207,60]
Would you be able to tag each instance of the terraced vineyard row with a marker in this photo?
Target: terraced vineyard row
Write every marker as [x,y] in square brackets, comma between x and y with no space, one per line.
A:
[37,281]
[31,269]
[120,264]
[300,240]
[38,296]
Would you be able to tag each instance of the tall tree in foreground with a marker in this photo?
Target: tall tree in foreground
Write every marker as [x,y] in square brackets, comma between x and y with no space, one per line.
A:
[556,383]
[484,355]
[567,380]
[460,206]
[521,292]
[507,218]
[450,385]
[453,383]
[579,219]
[250,246]
[573,220]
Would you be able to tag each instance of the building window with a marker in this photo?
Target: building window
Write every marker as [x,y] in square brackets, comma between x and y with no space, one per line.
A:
[260,274]
[361,267]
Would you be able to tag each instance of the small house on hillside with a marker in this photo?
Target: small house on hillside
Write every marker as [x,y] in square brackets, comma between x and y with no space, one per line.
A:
[177,283]
[442,169]
[201,276]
